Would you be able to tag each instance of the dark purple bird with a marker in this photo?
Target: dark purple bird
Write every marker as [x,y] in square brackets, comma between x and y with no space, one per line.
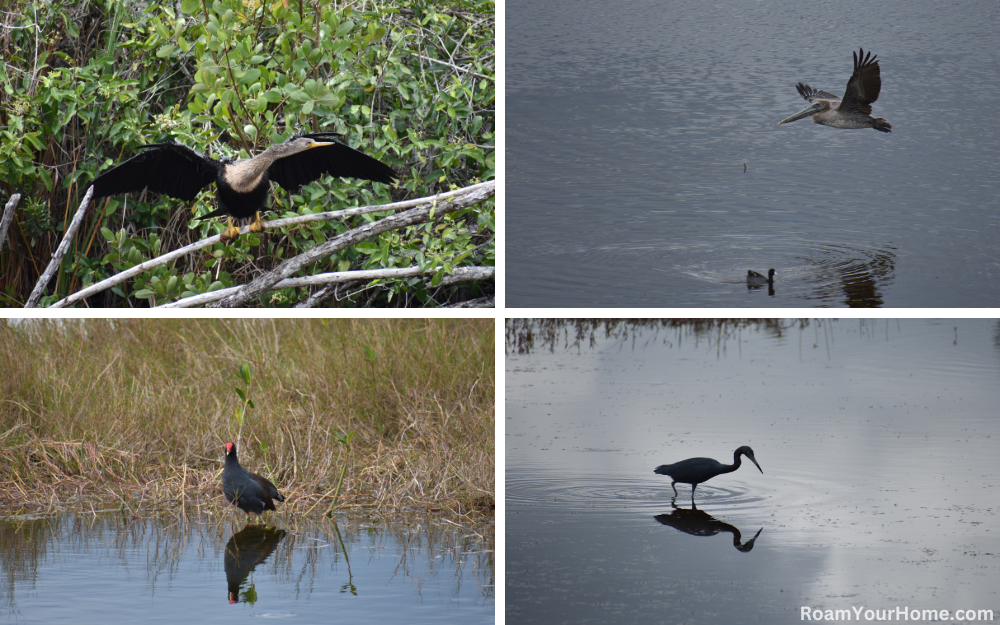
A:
[248,491]
[694,471]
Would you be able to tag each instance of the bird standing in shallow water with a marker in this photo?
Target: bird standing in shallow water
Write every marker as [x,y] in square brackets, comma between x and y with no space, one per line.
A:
[242,185]
[854,110]
[247,491]
[694,471]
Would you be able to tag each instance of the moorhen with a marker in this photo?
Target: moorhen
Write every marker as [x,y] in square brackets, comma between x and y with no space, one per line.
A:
[248,491]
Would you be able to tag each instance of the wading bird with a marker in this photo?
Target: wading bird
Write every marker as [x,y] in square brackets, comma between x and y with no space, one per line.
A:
[854,110]
[247,491]
[242,185]
[694,471]
[756,279]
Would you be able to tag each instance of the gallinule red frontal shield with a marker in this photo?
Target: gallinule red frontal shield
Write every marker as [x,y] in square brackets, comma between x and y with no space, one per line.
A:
[248,491]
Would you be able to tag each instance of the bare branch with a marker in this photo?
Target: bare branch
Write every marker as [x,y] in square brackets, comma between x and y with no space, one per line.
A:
[8,217]
[432,208]
[461,274]
[50,271]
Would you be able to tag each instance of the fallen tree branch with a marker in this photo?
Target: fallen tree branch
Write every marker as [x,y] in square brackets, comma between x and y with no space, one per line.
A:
[461,274]
[50,271]
[164,259]
[432,208]
[8,217]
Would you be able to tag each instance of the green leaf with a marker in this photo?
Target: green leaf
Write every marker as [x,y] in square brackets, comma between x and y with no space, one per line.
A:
[246,374]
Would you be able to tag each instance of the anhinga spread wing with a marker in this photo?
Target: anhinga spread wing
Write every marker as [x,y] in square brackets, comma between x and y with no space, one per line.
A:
[242,186]
[172,169]
[864,85]
[335,159]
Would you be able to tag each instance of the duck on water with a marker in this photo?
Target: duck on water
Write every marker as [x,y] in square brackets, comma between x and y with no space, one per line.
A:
[756,279]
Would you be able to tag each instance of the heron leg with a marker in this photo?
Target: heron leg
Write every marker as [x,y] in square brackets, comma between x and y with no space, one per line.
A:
[231,233]
[694,487]
[257,225]
[674,487]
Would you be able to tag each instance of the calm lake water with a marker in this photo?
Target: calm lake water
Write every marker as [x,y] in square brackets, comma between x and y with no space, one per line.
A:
[87,569]
[629,125]
[878,442]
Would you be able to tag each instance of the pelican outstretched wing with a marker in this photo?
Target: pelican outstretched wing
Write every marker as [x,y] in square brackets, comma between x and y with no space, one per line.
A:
[813,95]
[864,85]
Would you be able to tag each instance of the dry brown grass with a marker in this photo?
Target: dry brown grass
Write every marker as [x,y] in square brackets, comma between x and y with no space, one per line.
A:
[137,411]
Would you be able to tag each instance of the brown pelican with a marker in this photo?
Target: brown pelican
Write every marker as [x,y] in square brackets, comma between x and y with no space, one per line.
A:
[854,110]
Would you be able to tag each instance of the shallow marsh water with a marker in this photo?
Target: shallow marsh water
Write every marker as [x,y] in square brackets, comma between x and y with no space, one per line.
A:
[646,166]
[877,440]
[88,569]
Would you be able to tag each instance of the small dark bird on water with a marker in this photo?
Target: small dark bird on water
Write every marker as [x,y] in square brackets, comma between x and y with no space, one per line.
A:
[756,279]
[247,491]
[242,186]
[694,471]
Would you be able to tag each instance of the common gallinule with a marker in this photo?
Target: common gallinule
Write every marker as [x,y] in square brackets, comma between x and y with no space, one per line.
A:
[756,279]
[248,491]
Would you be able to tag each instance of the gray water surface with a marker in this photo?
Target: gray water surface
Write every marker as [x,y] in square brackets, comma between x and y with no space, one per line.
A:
[877,440]
[629,126]
[109,568]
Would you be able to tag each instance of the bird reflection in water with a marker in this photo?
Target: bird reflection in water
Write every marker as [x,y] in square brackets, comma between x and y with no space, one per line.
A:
[245,550]
[699,523]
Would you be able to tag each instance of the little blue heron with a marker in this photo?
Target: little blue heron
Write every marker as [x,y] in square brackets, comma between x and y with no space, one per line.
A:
[694,471]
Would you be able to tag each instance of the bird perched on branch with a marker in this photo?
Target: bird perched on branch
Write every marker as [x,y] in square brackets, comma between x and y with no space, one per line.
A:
[242,185]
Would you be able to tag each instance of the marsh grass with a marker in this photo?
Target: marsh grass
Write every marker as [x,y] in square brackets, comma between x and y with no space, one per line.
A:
[135,412]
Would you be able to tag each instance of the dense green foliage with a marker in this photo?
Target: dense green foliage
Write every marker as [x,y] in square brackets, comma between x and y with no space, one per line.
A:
[409,83]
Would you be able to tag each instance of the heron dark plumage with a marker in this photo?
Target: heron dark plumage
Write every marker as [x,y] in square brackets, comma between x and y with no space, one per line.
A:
[242,185]
[694,471]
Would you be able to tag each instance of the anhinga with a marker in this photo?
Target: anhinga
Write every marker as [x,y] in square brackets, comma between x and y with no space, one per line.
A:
[855,108]
[242,185]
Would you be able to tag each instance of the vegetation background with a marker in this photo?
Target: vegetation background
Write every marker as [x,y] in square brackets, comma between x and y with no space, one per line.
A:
[83,84]
[394,415]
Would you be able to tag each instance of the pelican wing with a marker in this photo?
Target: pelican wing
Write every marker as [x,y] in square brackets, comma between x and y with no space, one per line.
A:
[864,85]
[814,95]
[169,168]
[337,159]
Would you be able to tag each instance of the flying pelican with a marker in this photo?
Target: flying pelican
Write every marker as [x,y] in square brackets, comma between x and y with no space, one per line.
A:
[854,110]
